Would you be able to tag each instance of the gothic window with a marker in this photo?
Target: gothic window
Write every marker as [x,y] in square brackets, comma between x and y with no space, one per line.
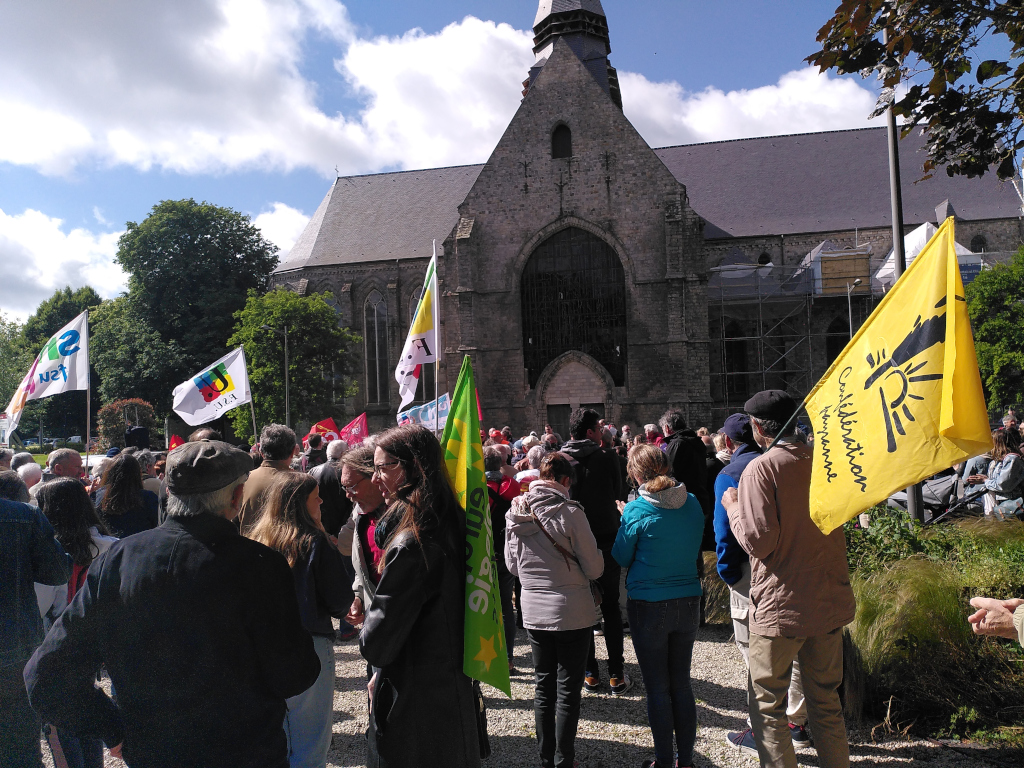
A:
[574,298]
[764,259]
[561,141]
[979,244]
[836,338]
[425,388]
[735,360]
[375,340]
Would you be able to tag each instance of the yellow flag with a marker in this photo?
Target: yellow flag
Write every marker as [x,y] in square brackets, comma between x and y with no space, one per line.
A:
[904,399]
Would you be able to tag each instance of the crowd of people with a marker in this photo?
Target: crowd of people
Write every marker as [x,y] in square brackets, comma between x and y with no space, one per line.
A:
[210,585]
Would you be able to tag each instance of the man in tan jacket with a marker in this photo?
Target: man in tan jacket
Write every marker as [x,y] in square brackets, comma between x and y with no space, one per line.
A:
[800,595]
[278,446]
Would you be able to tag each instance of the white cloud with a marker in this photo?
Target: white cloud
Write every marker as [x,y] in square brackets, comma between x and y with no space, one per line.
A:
[282,226]
[214,86]
[803,101]
[37,256]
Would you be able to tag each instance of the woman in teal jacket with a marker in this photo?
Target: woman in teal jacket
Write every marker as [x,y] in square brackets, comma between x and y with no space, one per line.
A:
[659,541]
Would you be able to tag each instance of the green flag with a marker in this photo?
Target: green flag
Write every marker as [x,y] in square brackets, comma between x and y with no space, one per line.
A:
[485,656]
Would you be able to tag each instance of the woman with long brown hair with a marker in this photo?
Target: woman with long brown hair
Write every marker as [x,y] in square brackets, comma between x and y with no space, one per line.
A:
[125,506]
[1005,477]
[421,703]
[290,523]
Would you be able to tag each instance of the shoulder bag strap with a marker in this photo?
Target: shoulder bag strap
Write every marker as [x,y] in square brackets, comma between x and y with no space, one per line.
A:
[565,553]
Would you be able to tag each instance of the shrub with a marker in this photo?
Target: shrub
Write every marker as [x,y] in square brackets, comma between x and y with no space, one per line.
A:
[115,417]
[919,660]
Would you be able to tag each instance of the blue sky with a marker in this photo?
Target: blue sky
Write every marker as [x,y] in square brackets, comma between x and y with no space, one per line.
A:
[253,103]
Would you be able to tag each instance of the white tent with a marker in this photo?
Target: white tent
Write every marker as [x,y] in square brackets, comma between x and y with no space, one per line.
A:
[913,245]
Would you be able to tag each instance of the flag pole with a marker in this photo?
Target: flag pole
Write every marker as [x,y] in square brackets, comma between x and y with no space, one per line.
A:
[437,328]
[915,502]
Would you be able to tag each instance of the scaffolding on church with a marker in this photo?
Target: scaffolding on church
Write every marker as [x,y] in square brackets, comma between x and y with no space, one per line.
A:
[779,327]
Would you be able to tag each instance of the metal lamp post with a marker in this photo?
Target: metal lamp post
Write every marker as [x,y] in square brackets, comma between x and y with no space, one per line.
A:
[849,304]
[287,399]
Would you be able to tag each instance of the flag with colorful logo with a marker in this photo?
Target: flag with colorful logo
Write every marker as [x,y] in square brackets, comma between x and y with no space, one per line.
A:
[62,365]
[904,399]
[485,655]
[421,345]
[355,431]
[434,412]
[327,429]
[214,391]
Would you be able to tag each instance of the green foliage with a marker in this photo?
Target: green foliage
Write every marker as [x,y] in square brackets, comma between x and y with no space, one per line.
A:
[14,358]
[115,417]
[56,312]
[974,123]
[191,266]
[131,357]
[994,303]
[320,358]
[915,645]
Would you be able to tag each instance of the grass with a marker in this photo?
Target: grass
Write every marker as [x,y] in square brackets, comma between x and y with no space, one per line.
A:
[920,664]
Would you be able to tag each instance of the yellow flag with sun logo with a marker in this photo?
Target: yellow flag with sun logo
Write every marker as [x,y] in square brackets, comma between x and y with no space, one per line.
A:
[904,399]
[485,657]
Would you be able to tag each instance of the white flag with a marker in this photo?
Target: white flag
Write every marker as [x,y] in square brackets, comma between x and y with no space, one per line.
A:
[421,346]
[215,391]
[61,366]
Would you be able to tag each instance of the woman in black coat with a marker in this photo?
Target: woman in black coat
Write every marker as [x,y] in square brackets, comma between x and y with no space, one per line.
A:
[422,710]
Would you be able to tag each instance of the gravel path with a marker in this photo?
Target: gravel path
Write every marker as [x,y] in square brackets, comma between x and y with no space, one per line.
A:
[613,731]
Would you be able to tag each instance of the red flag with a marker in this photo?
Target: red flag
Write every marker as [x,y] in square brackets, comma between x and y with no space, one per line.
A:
[327,429]
[355,431]
[175,442]
[479,410]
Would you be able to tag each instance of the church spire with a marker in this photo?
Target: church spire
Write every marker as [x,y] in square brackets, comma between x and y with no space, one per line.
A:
[583,26]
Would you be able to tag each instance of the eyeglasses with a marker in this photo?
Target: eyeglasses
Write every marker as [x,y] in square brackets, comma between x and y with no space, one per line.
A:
[356,484]
[380,469]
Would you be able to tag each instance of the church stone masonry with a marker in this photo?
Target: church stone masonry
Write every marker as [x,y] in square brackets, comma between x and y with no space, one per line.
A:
[612,186]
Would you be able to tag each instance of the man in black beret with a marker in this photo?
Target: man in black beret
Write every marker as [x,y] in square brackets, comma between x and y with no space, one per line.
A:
[800,595]
[197,626]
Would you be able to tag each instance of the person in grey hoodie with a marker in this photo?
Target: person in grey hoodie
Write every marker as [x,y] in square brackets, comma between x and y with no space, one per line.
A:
[549,546]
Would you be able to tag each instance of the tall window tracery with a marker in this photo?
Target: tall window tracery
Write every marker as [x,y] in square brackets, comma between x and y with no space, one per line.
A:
[375,341]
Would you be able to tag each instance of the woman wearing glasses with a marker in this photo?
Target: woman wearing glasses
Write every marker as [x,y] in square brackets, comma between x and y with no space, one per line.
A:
[290,523]
[421,703]
[368,508]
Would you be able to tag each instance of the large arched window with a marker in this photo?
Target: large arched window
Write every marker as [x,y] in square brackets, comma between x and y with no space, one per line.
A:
[375,340]
[979,244]
[574,298]
[561,141]
[735,346]
[425,388]
[836,338]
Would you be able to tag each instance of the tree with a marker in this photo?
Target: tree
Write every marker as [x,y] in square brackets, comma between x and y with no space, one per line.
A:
[64,414]
[115,417]
[14,359]
[191,266]
[994,301]
[131,357]
[971,126]
[319,357]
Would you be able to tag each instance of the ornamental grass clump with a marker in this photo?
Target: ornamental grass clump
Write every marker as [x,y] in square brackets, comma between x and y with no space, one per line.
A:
[920,663]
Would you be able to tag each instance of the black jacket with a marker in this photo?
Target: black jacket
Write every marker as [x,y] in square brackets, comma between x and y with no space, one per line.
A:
[140,518]
[200,632]
[322,586]
[687,455]
[336,509]
[423,708]
[598,486]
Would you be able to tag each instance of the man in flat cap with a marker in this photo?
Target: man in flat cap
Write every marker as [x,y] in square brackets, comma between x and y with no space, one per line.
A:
[800,595]
[198,628]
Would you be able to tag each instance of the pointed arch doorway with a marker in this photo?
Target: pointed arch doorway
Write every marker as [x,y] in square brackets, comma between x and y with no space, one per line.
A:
[570,381]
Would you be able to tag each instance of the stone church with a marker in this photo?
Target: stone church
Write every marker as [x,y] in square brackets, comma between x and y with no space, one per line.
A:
[579,266]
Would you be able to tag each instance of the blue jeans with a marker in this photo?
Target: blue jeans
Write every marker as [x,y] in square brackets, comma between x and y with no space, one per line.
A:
[663,637]
[310,717]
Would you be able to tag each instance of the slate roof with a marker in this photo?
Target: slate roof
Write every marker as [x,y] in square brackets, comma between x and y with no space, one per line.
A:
[382,216]
[776,185]
[547,7]
[820,182]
